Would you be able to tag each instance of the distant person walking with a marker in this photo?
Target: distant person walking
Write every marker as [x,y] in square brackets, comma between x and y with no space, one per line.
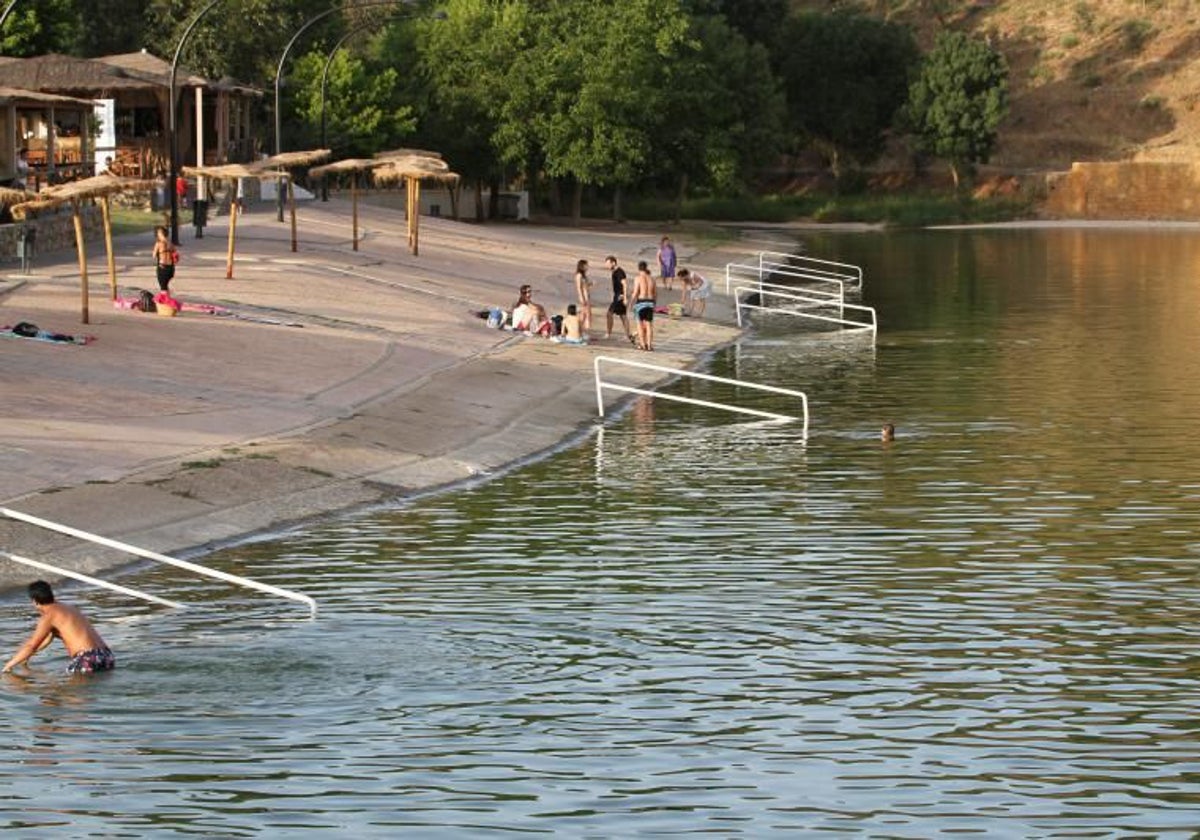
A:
[166,256]
[666,261]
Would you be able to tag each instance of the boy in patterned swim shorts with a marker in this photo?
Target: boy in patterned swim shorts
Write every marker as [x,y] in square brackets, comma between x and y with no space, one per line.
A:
[87,650]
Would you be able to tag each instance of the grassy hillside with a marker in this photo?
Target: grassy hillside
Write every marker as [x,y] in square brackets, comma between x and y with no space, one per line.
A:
[1090,79]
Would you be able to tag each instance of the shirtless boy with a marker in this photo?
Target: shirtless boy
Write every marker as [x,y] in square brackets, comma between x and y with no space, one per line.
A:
[644,293]
[87,650]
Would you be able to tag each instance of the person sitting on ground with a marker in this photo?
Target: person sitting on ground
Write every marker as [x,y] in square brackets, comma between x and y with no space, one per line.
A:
[572,328]
[528,316]
[87,650]
[696,290]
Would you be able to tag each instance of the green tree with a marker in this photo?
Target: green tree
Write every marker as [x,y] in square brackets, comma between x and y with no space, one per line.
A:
[723,117]
[461,68]
[598,75]
[956,104]
[49,26]
[362,114]
[846,78]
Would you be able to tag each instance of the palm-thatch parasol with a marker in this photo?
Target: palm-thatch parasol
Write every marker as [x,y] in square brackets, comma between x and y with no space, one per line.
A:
[413,166]
[353,166]
[10,196]
[74,192]
[232,172]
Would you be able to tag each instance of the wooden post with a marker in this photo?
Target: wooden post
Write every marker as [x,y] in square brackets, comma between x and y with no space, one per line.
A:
[106,214]
[408,210]
[83,276]
[234,212]
[291,197]
[354,205]
[416,219]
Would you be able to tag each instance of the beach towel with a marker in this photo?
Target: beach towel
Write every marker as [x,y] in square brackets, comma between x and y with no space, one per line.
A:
[32,332]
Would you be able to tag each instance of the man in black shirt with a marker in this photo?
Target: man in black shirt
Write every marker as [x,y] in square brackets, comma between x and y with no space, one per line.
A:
[620,302]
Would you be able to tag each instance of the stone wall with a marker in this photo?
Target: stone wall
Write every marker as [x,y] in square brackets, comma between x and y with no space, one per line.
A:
[55,230]
[1129,190]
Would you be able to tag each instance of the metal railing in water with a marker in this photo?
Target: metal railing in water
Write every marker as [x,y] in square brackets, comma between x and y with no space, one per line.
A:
[152,555]
[765,293]
[758,273]
[754,412]
[852,274]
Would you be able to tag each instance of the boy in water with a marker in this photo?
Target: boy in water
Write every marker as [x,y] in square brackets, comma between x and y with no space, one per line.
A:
[87,650]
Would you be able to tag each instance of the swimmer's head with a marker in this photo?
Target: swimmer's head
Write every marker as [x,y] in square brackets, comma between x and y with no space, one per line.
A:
[888,432]
[41,593]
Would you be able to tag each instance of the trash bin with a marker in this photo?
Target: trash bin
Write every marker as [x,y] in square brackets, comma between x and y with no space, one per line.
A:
[200,216]
[26,240]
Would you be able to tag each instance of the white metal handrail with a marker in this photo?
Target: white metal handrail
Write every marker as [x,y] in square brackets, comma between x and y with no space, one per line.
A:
[809,275]
[827,297]
[846,271]
[629,389]
[103,584]
[161,558]
[756,274]
[872,326]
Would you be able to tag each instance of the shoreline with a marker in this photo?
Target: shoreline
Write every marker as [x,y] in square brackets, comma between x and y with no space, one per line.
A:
[348,380]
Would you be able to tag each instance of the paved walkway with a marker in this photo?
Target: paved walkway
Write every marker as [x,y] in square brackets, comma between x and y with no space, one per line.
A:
[344,379]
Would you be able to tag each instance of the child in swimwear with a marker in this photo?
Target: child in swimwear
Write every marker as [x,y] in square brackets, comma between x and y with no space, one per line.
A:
[572,329]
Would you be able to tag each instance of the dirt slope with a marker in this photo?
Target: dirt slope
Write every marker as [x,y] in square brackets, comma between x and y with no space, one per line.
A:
[1090,80]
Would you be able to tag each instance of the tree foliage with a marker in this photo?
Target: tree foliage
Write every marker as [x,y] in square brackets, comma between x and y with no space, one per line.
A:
[359,102]
[846,77]
[958,101]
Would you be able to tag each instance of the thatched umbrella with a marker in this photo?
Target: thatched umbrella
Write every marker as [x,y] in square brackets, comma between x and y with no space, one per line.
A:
[413,167]
[354,166]
[231,172]
[285,160]
[75,193]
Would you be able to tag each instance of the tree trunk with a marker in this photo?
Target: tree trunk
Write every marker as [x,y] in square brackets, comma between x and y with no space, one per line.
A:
[494,198]
[954,175]
[577,203]
[555,197]
[679,199]
[455,196]
[479,200]
[618,213]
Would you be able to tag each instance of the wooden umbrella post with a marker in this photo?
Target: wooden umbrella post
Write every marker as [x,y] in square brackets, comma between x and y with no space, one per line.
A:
[234,212]
[106,214]
[79,247]
[354,206]
[291,197]
[416,219]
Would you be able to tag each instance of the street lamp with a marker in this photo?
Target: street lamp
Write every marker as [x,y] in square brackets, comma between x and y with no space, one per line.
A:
[4,14]
[279,73]
[173,138]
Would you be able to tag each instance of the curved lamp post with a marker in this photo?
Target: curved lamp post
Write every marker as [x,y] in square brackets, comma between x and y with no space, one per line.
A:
[171,131]
[5,13]
[283,59]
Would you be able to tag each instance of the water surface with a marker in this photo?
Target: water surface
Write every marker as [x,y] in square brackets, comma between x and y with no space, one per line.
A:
[691,624]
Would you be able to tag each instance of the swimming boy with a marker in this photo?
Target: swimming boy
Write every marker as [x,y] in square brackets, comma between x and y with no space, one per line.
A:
[87,650]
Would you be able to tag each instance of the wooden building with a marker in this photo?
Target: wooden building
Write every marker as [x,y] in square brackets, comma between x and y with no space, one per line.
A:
[131,121]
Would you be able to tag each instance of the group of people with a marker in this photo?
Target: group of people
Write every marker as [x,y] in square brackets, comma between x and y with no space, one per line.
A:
[636,297]
[639,297]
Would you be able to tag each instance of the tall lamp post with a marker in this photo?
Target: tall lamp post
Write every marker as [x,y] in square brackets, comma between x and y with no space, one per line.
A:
[279,74]
[173,138]
[5,13]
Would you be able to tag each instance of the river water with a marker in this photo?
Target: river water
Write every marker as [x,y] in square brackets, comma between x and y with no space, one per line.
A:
[685,623]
